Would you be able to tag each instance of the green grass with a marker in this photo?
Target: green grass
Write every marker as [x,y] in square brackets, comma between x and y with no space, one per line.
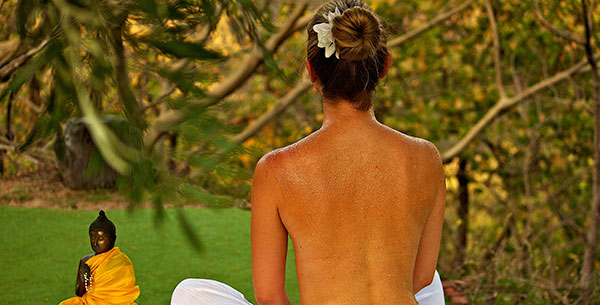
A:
[40,250]
[98,196]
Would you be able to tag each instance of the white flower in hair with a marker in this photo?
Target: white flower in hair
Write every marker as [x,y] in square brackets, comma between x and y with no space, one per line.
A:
[324,35]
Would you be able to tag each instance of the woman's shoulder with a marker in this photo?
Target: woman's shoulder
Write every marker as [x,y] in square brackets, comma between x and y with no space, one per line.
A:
[275,161]
[287,163]
[287,155]
[427,159]
[423,153]
[425,148]
[418,145]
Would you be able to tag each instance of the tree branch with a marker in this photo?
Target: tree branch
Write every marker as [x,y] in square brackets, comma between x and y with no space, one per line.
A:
[161,98]
[166,87]
[554,196]
[233,82]
[302,23]
[256,58]
[503,105]
[13,149]
[265,118]
[9,49]
[428,25]
[554,29]
[497,68]
[303,85]
[130,104]
[206,31]
[277,109]
[10,67]
[34,100]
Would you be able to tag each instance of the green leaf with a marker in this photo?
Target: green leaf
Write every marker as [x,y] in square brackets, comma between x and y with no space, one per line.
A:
[184,80]
[42,128]
[189,231]
[250,8]
[183,49]
[125,131]
[200,127]
[24,74]
[94,165]
[24,7]
[199,194]
[103,137]
[88,15]
[153,8]
[149,6]
[271,64]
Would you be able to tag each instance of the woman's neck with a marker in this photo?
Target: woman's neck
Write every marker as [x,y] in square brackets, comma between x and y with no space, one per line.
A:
[341,113]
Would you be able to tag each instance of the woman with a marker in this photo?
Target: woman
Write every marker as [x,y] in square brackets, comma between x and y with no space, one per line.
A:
[362,203]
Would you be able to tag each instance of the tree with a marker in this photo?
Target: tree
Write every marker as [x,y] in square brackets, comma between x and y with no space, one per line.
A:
[501,87]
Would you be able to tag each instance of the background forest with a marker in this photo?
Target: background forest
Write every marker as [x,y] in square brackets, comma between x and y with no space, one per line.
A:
[507,90]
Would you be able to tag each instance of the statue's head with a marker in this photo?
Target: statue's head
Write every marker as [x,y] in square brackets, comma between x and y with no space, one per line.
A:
[103,234]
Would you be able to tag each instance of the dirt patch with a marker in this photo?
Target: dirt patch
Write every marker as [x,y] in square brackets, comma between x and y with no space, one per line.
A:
[43,188]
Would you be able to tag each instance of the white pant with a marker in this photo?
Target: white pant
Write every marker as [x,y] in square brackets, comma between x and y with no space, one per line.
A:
[432,294]
[209,292]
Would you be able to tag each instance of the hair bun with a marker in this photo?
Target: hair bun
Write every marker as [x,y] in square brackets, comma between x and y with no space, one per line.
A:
[357,34]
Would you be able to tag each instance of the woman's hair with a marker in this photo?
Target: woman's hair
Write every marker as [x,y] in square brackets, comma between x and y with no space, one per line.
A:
[360,40]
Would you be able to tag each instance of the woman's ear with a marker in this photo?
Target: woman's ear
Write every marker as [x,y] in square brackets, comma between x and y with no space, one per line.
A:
[386,65]
[311,72]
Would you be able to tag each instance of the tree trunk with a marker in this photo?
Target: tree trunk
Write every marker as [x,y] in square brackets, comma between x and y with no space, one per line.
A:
[173,145]
[7,134]
[80,164]
[463,213]
[591,238]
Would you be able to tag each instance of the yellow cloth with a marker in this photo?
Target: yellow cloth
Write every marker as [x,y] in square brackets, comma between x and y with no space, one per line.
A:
[113,281]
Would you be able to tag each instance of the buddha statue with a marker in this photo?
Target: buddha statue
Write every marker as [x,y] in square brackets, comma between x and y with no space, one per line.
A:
[105,276]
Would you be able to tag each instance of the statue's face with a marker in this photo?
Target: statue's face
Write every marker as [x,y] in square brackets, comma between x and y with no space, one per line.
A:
[99,241]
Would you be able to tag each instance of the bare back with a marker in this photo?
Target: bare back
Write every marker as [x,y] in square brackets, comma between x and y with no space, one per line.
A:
[356,203]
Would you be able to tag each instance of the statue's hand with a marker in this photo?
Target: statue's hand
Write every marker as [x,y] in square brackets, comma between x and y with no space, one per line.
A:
[87,271]
[82,272]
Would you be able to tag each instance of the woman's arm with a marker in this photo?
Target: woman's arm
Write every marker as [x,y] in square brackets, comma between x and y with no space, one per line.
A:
[269,238]
[429,245]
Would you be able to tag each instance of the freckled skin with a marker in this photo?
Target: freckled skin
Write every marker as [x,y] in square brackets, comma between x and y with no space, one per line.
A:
[363,205]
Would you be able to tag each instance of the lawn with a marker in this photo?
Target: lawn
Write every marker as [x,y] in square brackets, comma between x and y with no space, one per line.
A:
[40,250]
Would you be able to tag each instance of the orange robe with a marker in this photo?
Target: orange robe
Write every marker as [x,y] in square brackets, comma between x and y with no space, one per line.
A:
[113,281]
